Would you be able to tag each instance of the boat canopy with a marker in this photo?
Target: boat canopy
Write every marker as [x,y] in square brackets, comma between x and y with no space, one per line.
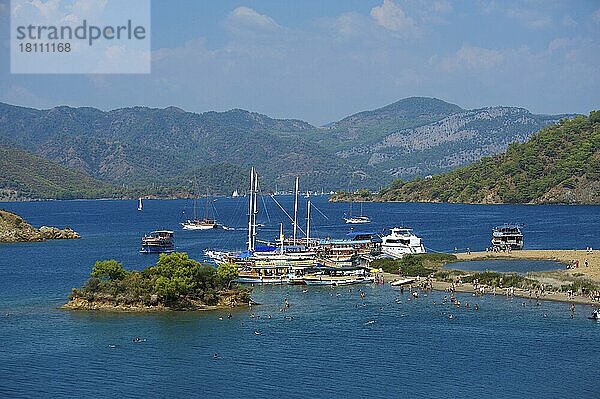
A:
[362,235]
[265,248]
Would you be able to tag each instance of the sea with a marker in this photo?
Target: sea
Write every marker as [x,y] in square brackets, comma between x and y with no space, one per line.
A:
[330,343]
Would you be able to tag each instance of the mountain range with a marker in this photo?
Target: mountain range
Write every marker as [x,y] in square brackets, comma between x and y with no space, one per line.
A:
[153,151]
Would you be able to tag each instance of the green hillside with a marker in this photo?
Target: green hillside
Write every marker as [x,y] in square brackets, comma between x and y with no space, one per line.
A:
[150,151]
[28,176]
[559,164]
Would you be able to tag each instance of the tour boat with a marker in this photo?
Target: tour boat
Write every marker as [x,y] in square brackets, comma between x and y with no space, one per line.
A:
[336,276]
[157,242]
[401,241]
[344,252]
[507,236]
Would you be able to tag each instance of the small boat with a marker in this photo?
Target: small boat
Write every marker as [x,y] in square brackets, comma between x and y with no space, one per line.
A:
[401,241]
[595,315]
[159,241]
[235,194]
[507,236]
[398,283]
[140,205]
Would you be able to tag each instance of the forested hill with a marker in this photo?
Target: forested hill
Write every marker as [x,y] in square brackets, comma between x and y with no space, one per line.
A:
[152,151]
[28,176]
[559,164]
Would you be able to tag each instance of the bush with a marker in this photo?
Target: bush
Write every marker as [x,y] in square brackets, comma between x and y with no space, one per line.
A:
[414,265]
[581,285]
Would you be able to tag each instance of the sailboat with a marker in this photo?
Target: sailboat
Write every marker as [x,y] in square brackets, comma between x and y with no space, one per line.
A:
[199,224]
[357,219]
[140,205]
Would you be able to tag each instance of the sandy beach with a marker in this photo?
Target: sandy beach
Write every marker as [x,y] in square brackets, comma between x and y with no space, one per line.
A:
[566,256]
[556,278]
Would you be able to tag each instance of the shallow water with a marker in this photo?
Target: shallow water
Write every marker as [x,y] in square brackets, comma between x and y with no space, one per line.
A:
[326,347]
[506,266]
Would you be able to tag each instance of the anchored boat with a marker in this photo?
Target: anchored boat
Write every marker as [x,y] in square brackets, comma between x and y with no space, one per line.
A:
[507,236]
[357,219]
[199,224]
[159,241]
[401,241]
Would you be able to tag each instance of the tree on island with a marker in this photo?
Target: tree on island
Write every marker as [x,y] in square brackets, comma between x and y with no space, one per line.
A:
[175,281]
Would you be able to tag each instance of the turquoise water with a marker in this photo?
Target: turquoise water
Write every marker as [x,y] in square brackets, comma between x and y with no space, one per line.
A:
[330,343]
[506,266]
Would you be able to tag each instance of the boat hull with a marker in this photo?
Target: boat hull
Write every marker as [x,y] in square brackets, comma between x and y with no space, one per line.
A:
[258,280]
[198,227]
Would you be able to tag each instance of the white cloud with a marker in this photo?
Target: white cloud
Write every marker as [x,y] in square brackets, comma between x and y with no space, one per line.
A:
[82,9]
[392,17]
[532,18]
[469,57]
[247,18]
[46,9]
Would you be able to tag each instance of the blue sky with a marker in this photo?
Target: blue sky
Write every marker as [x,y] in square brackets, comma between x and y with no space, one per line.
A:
[322,60]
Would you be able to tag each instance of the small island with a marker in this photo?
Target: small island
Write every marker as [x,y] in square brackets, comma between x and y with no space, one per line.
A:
[176,282]
[14,228]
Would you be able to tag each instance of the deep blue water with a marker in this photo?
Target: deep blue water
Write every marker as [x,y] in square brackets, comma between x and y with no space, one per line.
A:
[509,348]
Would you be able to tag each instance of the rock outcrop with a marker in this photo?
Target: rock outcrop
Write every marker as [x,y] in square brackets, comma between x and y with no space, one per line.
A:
[13,228]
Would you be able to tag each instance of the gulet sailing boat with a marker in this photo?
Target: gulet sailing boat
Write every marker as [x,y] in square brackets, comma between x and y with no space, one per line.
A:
[357,219]
[199,224]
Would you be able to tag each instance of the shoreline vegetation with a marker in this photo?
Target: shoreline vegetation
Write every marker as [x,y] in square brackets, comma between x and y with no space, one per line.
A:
[559,165]
[175,282]
[13,229]
[575,283]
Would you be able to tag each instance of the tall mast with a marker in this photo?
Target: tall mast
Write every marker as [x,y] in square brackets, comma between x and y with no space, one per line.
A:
[206,217]
[195,195]
[307,222]
[296,209]
[250,210]
[255,210]
[281,237]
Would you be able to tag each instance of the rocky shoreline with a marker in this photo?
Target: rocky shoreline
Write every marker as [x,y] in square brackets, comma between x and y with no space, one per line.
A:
[13,228]
[227,300]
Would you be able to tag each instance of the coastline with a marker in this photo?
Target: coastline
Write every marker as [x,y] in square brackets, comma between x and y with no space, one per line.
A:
[226,301]
[566,257]
[82,305]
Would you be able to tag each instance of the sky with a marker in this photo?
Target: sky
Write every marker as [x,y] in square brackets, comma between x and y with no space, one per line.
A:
[320,61]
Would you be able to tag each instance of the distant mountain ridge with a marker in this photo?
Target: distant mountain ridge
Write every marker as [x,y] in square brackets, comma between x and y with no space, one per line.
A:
[159,150]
